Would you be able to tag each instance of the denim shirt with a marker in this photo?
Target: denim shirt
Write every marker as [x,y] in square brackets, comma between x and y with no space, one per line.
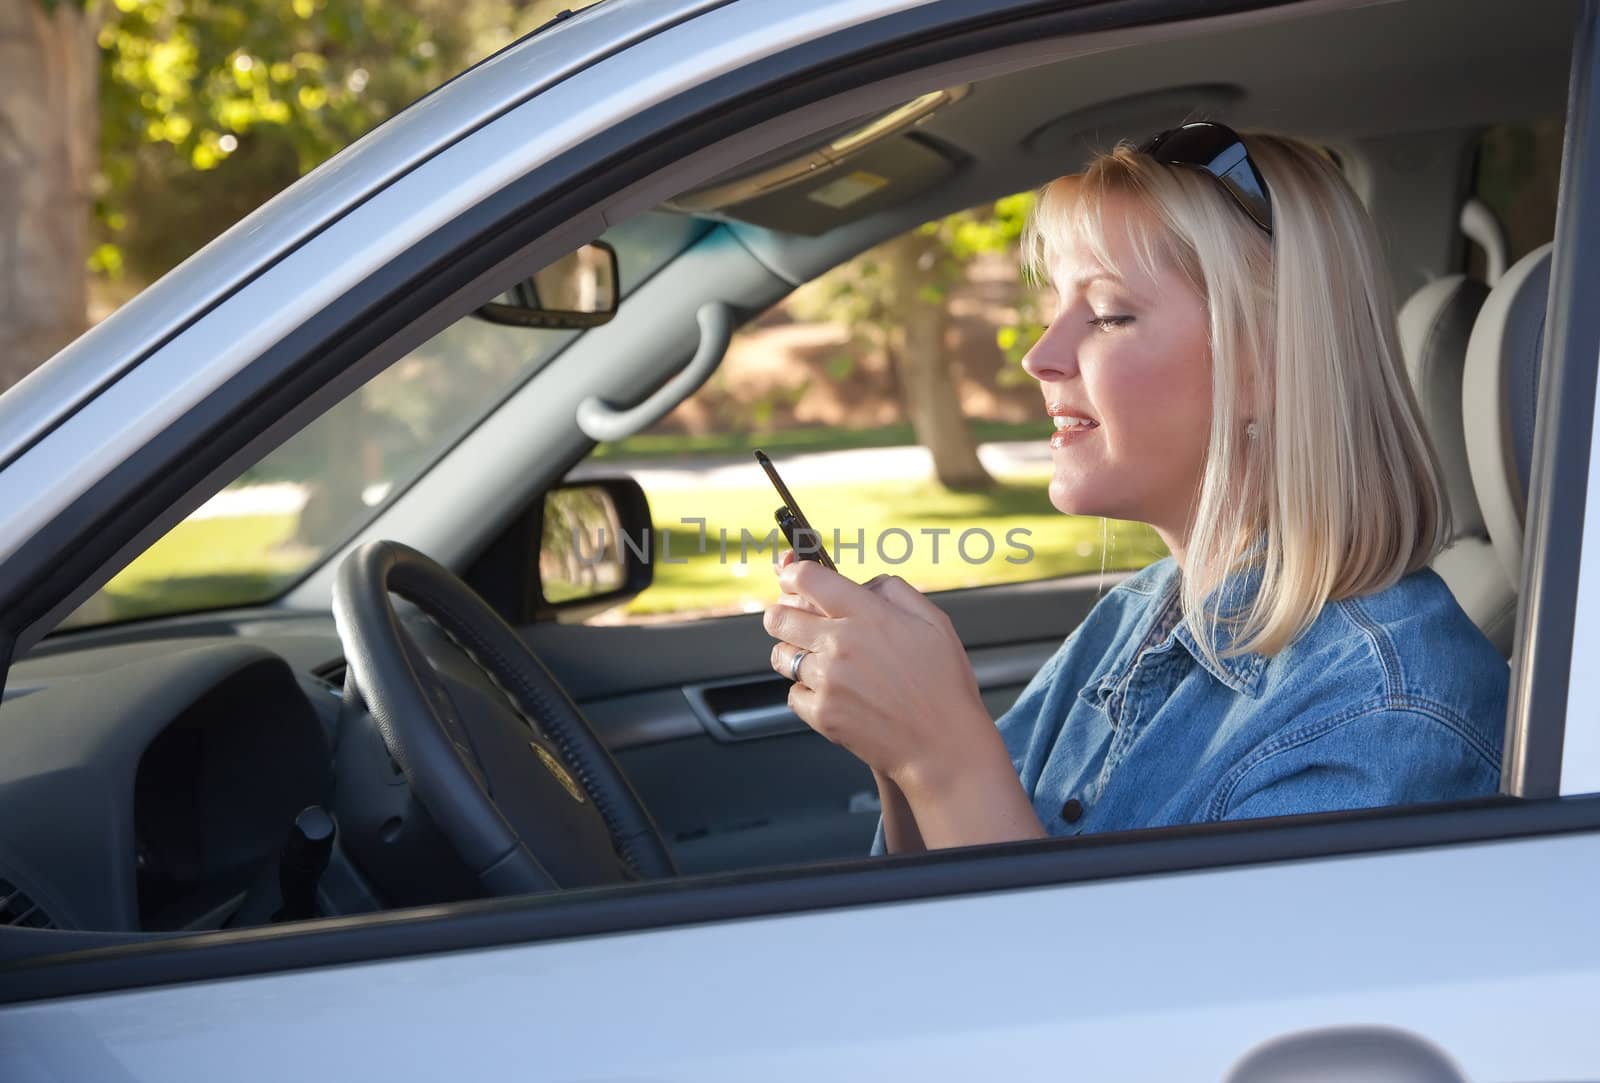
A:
[1386,699]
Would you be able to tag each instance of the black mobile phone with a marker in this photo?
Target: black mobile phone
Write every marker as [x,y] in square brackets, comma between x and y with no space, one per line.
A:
[803,539]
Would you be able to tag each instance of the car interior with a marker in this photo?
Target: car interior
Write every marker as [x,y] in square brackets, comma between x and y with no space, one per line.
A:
[230,768]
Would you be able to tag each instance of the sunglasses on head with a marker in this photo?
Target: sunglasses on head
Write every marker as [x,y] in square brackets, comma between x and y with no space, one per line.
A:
[1217,149]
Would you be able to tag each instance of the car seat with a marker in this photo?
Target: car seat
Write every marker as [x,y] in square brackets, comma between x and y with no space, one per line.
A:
[1435,325]
[1500,392]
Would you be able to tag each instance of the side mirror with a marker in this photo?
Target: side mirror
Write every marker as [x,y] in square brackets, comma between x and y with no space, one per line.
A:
[579,290]
[594,547]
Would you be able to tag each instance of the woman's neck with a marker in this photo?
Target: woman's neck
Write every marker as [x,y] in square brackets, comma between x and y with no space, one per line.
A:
[1177,544]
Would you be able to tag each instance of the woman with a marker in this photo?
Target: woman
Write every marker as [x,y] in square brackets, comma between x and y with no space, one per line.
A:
[1223,365]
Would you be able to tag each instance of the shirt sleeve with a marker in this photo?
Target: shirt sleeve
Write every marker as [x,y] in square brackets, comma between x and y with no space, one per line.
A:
[1366,758]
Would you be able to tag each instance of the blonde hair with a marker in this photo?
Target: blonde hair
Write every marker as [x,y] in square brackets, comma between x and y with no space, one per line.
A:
[1340,492]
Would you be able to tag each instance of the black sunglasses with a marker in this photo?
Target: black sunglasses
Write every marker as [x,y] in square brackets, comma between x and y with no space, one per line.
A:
[1217,149]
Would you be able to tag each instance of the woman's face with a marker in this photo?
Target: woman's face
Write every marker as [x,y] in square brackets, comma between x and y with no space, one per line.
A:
[1125,368]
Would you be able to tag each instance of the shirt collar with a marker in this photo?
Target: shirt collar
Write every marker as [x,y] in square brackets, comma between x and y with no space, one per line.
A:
[1240,672]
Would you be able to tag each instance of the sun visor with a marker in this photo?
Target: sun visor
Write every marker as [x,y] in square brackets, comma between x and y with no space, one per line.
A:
[852,172]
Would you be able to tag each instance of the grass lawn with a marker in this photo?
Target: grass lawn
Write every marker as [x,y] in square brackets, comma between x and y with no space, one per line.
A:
[217,562]
[207,564]
[1060,544]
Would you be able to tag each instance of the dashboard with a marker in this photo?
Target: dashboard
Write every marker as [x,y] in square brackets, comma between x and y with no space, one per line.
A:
[148,785]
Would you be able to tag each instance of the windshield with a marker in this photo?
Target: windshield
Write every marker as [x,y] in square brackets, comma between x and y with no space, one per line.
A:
[293,509]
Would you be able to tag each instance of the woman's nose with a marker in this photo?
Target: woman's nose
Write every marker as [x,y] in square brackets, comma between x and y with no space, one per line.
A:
[1051,360]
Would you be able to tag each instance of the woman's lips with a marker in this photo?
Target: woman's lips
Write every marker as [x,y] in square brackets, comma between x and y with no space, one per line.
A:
[1070,425]
[1062,437]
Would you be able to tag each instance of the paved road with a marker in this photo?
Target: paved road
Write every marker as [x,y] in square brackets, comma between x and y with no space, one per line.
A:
[806,468]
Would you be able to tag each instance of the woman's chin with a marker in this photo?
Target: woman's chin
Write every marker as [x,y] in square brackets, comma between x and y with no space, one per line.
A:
[1071,499]
[1070,496]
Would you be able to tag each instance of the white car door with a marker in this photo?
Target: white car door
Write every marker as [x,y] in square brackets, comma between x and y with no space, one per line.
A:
[1404,944]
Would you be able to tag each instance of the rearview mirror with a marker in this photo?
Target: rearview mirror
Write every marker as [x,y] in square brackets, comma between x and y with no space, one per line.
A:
[578,290]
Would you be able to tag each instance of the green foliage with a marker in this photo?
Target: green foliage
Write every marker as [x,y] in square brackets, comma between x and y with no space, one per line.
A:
[1015,341]
[997,228]
[840,366]
[209,107]
[858,294]
[993,228]
[760,412]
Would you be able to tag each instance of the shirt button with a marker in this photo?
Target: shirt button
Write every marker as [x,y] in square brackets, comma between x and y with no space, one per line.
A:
[1072,811]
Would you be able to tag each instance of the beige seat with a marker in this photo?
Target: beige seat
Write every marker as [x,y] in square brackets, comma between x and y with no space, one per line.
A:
[1435,327]
[1499,395]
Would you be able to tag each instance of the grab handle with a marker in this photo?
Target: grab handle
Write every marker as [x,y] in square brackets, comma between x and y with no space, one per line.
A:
[602,422]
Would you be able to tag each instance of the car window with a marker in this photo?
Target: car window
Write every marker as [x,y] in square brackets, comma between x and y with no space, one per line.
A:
[890,395]
[282,516]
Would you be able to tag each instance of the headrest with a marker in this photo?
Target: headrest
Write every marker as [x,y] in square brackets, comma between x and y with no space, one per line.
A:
[1499,395]
[1434,327]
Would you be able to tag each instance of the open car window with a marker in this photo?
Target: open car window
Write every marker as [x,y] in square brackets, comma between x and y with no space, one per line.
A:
[890,390]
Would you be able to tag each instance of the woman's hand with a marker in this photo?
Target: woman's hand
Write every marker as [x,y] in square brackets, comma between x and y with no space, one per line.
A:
[887,677]
[890,682]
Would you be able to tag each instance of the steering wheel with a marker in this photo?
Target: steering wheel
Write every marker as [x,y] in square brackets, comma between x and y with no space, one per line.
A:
[535,749]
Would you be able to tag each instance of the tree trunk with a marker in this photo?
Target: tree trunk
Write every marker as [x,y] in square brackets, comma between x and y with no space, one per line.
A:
[927,385]
[49,132]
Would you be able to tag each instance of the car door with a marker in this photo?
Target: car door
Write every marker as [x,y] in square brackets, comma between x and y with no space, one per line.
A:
[1414,942]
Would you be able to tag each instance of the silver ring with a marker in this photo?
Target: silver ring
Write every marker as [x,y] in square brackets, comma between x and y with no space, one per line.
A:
[794,664]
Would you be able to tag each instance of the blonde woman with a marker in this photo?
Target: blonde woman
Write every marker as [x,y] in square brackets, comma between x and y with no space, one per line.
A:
[1223,365]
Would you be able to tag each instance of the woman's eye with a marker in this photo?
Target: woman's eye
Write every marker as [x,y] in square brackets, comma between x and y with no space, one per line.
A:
[1106,323]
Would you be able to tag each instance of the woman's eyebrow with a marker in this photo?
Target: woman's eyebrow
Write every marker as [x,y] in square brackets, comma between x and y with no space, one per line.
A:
[1083,282]
[1089,278]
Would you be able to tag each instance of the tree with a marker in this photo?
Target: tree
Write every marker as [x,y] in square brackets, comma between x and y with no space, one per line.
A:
[213,106]
[914,322]
[172,119]
[893,295]
[47,162]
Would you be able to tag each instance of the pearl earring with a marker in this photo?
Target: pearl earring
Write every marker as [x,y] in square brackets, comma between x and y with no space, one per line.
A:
[1252,430]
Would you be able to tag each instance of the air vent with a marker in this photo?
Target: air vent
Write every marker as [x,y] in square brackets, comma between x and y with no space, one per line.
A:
[18,910]
[331,674]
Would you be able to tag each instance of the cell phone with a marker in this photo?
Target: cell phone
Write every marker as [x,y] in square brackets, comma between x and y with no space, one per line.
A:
[803,539]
